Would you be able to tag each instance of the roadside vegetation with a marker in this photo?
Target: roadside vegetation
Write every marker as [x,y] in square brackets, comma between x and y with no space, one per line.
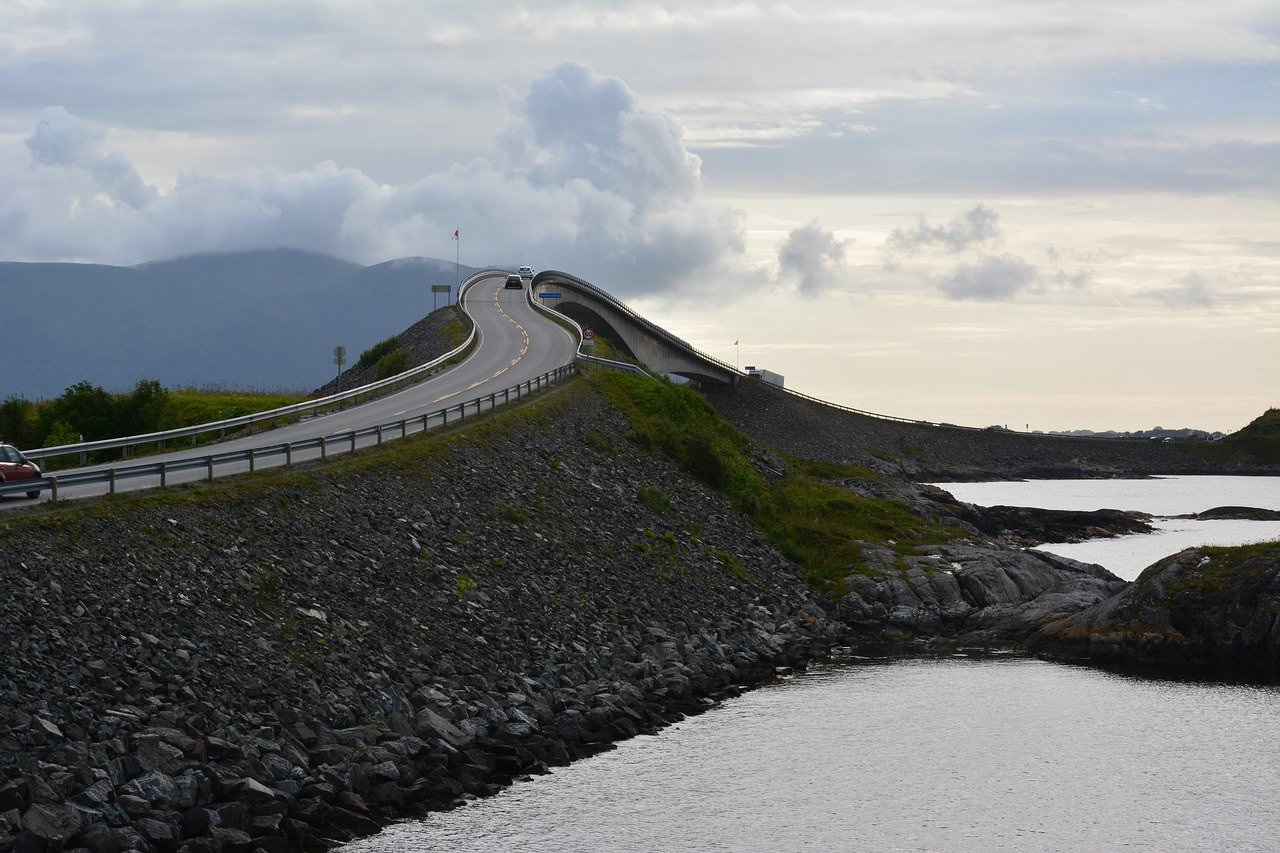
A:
[87,410]
[813,522]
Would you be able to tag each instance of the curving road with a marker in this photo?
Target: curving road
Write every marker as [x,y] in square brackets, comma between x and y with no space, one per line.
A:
[516,343]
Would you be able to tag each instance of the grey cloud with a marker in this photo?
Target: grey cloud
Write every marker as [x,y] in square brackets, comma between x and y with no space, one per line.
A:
[995,278]
[991,278]
[973,227]
[1191,291]
[61,139]
[814,259]
[587,178]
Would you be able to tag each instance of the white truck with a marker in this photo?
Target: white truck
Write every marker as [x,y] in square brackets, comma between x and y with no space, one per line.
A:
[767,375]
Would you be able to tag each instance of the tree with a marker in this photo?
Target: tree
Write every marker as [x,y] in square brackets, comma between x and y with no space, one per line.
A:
[143,410]
[88,409]
[16,425]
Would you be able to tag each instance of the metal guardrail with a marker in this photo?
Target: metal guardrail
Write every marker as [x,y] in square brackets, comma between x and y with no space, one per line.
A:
[347,440]
[411,374]
[566,320]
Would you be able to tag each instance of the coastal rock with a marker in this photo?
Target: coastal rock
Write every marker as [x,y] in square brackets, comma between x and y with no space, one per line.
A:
[1206,609]
[970,592]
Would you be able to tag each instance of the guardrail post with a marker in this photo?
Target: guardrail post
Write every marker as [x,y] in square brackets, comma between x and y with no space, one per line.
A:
[425,415]
[444,416]
[163,473]
[324,448]
[53,488]
[353,441]
[379,434]
[288,454]
[111,481]
[404,427]
[208,461]
[251,460]
[84,457]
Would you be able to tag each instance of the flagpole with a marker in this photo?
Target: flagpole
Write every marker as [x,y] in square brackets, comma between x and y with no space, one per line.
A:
[457,262]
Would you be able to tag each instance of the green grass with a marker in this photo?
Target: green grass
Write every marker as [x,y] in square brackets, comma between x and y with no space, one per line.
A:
[188,406]
[1260,439]
[814,523]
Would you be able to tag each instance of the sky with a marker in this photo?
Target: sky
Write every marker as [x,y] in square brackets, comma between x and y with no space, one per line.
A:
[1046,215]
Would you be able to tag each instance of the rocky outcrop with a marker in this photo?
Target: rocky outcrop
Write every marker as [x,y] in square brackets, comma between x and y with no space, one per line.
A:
[981,587]
[1206,609]
[970,592]
[1236,513]
[294,659]
[923,452]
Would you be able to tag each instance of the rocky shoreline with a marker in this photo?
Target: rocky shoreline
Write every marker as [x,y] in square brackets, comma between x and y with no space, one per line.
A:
[294,660]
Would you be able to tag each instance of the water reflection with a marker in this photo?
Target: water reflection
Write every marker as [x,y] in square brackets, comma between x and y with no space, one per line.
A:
[938,754]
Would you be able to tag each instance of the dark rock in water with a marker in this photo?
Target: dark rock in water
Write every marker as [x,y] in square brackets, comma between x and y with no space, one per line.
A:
[1204,609]
[1034,525]
[1244,513]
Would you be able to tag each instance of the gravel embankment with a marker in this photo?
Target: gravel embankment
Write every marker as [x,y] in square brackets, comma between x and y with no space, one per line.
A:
[929,453]
[286,661]
[429,338]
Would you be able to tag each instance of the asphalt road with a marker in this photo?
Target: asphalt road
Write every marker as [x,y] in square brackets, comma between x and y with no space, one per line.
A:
[516,344]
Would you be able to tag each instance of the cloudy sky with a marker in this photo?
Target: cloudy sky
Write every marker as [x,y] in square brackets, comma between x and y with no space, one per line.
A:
[1054,214]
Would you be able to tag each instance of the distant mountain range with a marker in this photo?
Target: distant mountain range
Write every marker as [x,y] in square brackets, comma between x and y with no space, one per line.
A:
[250,320]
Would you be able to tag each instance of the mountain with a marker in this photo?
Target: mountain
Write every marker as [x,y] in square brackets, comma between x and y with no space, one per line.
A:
[264,319]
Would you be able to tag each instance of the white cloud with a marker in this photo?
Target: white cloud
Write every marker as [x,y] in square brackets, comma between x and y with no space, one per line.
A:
[814,259]
[585,178]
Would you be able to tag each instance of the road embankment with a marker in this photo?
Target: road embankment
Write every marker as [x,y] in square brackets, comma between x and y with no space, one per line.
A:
[927,453]
[291,659]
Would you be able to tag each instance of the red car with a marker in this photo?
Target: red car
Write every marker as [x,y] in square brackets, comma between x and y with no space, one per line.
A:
[14,468]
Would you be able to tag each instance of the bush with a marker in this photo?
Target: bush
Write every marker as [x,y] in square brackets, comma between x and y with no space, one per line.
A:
[391,363]
[374,354]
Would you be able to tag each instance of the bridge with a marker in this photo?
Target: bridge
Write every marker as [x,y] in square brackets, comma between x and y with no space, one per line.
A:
[645,341]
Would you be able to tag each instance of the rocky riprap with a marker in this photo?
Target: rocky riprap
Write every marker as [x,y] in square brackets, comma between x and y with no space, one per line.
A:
[1204,610]
[291,660]
[918,451]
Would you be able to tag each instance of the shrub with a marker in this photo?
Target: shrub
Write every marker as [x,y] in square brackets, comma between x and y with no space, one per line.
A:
[653,498]
[375,353]
[396,361]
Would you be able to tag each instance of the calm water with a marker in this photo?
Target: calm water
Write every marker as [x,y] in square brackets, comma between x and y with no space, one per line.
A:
[1127,556]
[1003,754]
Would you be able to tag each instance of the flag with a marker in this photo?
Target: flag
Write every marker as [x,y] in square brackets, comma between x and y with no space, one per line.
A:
[455,233]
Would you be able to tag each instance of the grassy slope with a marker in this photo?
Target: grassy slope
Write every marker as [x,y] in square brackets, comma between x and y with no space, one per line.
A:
[812,522]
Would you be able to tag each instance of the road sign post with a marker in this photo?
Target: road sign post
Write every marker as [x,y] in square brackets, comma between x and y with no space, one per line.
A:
[339,358]
[438,289]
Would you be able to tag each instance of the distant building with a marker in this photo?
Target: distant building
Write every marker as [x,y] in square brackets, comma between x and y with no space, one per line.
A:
[767,375]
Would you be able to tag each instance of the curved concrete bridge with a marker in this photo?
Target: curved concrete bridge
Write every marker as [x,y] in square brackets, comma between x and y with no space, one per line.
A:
[639,338]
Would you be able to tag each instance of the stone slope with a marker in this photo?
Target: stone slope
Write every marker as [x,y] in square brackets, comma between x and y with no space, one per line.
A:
[931,453]
[292,659]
